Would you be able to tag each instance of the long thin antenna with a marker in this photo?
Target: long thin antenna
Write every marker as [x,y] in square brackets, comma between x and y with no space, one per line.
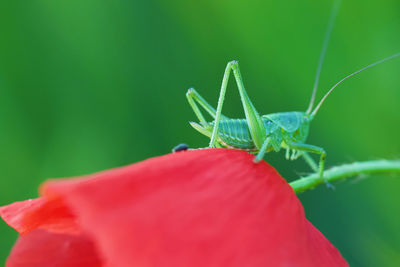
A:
[348,76]
[334,12]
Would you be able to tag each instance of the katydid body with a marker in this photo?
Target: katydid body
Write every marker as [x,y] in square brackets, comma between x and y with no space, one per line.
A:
[256,134]
[261,134]
[287,130]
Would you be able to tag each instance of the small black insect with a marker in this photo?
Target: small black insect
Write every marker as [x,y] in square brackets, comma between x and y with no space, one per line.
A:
[180,147]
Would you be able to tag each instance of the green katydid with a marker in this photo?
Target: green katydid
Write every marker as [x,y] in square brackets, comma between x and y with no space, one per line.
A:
[272,132]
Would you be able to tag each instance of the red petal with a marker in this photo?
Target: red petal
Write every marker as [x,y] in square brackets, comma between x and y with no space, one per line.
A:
[196,208]
[40,248]
[49,214]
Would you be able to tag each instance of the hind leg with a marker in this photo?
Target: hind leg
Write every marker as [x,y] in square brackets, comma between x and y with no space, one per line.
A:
[256,126]
[193,98]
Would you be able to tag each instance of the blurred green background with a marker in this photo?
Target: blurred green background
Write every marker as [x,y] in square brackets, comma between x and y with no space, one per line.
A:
[90,85]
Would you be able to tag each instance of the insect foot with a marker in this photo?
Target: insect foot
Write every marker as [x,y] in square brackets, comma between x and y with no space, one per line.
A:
[329,185]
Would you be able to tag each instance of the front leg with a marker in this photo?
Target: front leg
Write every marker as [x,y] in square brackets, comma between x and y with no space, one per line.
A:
[310,161]
[312,149]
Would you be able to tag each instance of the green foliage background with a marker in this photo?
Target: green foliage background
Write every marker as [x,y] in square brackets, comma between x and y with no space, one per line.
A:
[90,85]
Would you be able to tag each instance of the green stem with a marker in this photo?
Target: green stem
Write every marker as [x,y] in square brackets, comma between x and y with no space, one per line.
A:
[346,171]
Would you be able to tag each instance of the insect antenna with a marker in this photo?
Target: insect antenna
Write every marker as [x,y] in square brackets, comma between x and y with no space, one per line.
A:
[351,75]
[328,31]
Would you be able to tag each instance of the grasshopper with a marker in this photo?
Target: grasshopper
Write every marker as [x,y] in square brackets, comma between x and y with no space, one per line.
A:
[272,132]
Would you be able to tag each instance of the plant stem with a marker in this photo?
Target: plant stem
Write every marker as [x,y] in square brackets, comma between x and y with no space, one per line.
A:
[346,171]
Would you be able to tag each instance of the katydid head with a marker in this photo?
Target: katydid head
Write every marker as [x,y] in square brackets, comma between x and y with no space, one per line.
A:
[293,125]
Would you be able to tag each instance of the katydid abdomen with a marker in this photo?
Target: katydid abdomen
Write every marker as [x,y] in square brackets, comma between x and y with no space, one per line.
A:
[235,133]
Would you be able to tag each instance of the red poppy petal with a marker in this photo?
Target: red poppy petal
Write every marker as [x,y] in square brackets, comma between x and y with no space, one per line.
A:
[41,248]
[44,213]
[14,213]
[211,207]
